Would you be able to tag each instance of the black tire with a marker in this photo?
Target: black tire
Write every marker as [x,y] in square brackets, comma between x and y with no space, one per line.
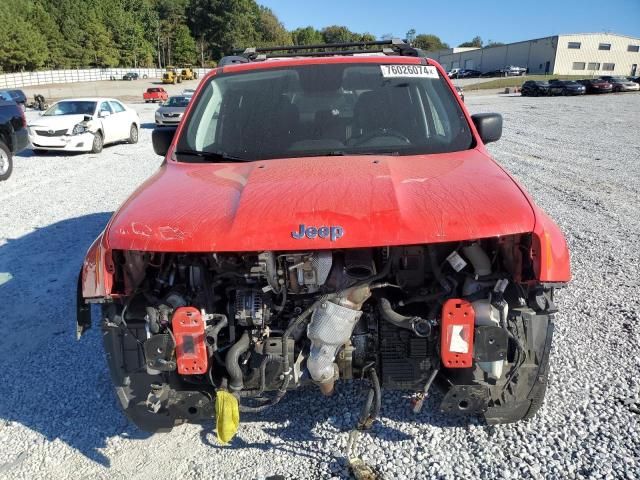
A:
[98,142]
[564,92]
[133,134]
[195,76]
[6,162]
[524,394]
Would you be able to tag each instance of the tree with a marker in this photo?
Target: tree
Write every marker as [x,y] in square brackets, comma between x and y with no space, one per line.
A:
[22,47]
[306,36]
[491,43]
[338,34]
[429,42]
[475,42]
[271,30]
[184,46]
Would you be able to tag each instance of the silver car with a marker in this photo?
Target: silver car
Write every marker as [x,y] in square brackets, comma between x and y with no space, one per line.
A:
[170,113]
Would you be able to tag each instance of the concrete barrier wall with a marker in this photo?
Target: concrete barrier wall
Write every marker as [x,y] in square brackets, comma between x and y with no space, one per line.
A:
[48,77]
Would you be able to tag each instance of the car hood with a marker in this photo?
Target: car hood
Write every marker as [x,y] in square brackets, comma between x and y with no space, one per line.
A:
[57,122]
[362,200]
[171,110]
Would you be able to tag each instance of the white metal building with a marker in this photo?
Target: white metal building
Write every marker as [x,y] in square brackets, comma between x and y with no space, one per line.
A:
[573,54]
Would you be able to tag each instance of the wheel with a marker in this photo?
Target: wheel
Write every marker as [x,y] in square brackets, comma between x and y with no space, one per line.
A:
[195,76]
[133,134]
[524,393]
[6,162]
[146,101]
[98,142]
[564,92]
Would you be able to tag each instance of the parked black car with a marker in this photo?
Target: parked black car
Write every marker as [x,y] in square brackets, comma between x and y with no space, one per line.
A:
[469,73]
[533,88]
[17,96]
[596,85]
[13,135]
[566,87]
[130,76]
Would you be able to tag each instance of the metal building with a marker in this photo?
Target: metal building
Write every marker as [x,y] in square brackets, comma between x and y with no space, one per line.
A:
[572,54]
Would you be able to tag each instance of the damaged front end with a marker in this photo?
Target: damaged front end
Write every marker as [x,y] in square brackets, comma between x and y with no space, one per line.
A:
[180,328]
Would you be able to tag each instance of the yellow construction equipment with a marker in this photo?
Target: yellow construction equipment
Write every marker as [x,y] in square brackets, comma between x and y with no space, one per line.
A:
[171,75]
[188,73]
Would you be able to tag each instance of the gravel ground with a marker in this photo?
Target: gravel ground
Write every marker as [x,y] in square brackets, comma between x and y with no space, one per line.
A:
[580,159]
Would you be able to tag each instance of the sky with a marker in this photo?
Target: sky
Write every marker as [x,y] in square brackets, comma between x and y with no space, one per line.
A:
[457,21]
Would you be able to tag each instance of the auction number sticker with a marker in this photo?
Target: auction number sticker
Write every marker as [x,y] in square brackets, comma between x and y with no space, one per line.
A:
[404,71]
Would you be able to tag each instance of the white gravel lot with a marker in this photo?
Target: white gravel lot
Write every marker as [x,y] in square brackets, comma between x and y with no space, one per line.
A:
[579,158]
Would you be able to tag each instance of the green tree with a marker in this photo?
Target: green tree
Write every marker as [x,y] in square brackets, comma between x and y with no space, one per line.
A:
[339,34]
[306,36]
[184,46]
[22,46]
[271,30]
[429,42]
[45,24]
[475,42]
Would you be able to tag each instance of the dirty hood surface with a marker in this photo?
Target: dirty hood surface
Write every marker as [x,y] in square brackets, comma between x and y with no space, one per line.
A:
[363,200]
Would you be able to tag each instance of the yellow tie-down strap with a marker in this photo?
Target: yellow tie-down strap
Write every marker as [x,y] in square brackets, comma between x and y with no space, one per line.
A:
[227,416]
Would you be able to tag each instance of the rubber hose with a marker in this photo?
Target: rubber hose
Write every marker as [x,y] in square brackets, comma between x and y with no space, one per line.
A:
[478,258]
[215,330]
[410,323]
[373,404]
[233,361]
[435,267]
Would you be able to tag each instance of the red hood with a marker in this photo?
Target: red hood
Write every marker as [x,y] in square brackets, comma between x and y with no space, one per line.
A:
[376,201]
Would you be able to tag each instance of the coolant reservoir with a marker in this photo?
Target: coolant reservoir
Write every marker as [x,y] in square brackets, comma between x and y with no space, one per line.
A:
[488,316]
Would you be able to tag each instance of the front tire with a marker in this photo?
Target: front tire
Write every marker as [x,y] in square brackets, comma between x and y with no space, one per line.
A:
[133,134]
[6,162]
[98,142]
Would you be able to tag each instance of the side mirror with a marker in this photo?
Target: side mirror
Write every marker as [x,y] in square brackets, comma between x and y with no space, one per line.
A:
[161,139]
[87,118]
[104,114]
[489,126]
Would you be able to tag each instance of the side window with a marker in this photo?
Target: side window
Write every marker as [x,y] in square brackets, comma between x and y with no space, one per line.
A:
[104,107]
[117,107]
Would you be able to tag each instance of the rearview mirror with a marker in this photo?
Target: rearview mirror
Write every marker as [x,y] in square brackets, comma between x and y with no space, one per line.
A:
[489,126]
[161,139]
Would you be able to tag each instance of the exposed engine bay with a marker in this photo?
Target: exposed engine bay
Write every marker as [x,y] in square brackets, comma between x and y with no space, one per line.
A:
[469,317]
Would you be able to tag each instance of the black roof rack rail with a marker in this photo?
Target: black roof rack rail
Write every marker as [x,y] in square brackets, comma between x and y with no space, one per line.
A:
[394,46]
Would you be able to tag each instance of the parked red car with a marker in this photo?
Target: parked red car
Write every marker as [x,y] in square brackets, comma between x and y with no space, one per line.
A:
[155,94]
[326,218]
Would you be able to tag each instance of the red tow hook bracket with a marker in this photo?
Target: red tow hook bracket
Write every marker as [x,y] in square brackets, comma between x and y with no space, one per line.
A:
[456,335]
[191,350]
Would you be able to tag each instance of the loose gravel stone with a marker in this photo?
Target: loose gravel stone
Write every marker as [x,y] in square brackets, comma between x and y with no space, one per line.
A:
[580,160]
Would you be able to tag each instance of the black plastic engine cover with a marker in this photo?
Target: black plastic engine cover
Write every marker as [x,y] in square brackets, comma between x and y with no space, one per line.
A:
[405,359]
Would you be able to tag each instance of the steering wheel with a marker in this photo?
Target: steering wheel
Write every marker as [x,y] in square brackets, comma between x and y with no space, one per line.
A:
[382,132]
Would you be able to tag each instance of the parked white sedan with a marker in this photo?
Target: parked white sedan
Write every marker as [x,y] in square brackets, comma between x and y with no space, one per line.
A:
[84,125]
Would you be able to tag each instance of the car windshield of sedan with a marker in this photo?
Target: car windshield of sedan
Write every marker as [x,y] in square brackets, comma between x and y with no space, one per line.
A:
[319,110]
[177,102]
[71,108]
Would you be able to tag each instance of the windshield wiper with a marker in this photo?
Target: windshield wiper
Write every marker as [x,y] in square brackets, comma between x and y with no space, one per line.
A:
[217,156]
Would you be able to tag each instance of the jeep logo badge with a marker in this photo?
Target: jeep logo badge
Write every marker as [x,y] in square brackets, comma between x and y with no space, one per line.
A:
[333,232]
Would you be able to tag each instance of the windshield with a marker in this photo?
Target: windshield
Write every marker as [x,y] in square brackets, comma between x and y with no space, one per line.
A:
[71,108]
[177,102]
[318,110]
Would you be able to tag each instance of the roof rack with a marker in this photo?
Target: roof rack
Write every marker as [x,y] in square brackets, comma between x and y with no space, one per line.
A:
[394,46]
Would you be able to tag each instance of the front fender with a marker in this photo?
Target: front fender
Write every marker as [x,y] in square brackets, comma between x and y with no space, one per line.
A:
[549,251]
[97,271]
